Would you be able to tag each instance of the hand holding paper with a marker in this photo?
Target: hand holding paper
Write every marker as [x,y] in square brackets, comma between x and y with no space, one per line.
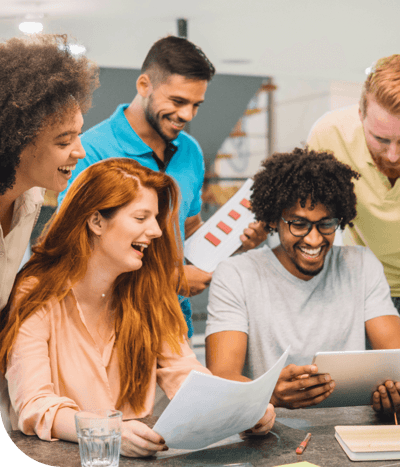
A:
[207,409]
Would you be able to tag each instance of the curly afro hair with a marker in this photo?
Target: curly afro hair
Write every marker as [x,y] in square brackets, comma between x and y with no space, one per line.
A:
[301,175]
[39,78]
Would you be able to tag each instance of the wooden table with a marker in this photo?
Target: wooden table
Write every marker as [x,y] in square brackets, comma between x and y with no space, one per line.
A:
[277,448]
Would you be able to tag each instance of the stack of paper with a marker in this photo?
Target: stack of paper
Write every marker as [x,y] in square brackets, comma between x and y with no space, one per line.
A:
[371,442]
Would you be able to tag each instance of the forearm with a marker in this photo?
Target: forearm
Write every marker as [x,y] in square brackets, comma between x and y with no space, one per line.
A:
[229,374]
[64,425]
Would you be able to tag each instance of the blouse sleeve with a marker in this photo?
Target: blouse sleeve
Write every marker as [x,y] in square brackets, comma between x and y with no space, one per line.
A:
[29,378]
[173,368]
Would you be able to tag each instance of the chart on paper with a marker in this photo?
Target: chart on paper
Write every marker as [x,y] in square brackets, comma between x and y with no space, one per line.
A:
[219,237]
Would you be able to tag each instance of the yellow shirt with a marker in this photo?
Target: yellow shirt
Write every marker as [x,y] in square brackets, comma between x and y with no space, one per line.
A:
[56,363]
[377,224]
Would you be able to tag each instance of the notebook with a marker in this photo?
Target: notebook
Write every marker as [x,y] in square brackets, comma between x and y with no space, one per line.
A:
[369,442]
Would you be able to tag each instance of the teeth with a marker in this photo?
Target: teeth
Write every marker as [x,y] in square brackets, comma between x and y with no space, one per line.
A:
[176,124]
[311,252]
[67,168]
[141,245]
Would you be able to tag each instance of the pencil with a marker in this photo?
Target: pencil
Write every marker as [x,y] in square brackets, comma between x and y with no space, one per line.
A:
[303,444]
[395,418]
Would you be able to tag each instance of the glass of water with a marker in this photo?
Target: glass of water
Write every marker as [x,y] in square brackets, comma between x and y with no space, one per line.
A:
[99,436]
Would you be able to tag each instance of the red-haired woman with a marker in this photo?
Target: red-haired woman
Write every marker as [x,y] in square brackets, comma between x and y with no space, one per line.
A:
[95,320]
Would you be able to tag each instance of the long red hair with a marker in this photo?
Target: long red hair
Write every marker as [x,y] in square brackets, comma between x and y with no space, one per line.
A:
[145,300]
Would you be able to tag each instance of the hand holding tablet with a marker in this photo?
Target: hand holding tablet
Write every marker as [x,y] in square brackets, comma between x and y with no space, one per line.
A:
[362,378]
[301,386]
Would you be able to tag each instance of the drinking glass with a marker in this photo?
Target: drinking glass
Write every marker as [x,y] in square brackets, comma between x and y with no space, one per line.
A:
[99,436]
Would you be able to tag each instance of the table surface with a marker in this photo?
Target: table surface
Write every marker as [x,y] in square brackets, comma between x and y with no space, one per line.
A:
[274,449]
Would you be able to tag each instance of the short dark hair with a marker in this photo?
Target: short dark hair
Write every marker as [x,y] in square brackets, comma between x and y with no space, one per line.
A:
[39,78]
[176,55]
[301,175]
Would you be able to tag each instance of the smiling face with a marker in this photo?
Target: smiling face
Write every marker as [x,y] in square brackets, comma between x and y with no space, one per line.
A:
[173,103]
[382,135]
[303,257]
[48,160]
[121,241]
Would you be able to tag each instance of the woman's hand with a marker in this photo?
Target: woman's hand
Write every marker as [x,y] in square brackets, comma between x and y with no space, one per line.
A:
[264,425]
[138,440]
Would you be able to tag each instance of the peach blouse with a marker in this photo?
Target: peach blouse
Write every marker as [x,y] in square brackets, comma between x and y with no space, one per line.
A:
[55,363]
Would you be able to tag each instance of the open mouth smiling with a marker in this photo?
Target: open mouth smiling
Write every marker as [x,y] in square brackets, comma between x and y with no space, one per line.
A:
[66,169]
[139,246]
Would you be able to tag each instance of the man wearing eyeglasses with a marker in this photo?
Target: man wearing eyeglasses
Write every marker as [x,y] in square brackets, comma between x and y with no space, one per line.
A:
[367,137]
[305,293]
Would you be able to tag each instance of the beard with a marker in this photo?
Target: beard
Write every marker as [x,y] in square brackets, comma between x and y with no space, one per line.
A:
[308,272]
[155,121]
[155,124]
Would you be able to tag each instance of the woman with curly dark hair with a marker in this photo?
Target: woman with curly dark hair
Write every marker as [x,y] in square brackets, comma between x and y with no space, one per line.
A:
[44,90]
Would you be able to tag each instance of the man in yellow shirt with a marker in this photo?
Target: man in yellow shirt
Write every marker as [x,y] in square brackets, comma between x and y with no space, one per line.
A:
[367,137]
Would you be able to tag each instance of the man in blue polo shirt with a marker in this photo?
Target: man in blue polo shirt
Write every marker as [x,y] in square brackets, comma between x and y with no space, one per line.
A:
[173,83]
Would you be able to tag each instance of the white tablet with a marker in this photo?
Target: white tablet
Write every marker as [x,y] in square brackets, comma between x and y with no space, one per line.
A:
[357,374]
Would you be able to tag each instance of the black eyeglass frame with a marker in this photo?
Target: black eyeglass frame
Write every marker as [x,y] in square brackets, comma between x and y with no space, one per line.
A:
[311,225]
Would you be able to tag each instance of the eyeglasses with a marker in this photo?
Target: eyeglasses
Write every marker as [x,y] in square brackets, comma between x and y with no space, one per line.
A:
[301,228]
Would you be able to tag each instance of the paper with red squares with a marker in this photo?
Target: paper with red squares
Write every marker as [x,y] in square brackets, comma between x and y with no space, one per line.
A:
[219,237]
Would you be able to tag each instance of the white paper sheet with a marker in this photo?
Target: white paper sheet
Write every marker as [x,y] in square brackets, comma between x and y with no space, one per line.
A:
[182,452]
[207,409]
[205,255]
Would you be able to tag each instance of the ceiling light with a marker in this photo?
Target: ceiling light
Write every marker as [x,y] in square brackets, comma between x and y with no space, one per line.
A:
[30,27]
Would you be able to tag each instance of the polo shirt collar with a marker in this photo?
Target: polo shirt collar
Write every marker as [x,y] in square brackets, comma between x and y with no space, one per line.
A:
[128,139]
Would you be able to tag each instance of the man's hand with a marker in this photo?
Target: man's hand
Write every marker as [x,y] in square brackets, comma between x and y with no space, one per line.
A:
[252,236]
[138,440]
[387,398]
[300,386]
[264,425]
[197,280]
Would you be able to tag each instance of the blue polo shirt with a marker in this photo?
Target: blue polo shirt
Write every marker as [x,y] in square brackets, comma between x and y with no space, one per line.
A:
[115,137]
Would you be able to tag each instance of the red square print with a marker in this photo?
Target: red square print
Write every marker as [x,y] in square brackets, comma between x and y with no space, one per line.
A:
[225,228]
[246,203]
[235,215]
[213,239]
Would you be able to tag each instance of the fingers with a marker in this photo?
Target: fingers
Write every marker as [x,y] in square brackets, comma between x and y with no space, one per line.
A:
[267,421]
[138,440]
[376,402]
[301,386]
[294,371]
[197,279]
[253,235]
[387,398]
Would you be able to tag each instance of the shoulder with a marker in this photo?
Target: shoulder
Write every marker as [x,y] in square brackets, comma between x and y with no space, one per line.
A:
[188,142]
[24,289]
[356,257]
[103,129]
[244,265]
[342,121]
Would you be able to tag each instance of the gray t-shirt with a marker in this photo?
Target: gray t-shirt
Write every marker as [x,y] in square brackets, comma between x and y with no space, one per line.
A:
[255,294]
